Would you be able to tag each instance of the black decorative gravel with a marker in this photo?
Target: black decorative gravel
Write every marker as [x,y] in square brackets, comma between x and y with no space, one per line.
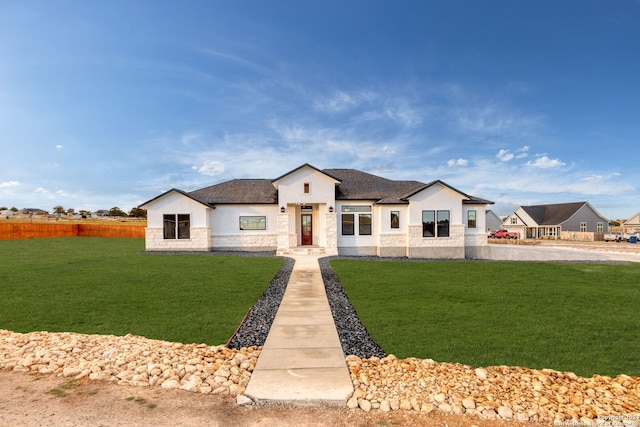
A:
[353,335]
[255,327]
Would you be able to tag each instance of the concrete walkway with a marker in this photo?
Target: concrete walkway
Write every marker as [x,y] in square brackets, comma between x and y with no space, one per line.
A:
[302,362]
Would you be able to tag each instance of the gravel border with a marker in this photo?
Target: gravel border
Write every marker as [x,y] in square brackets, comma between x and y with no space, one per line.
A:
[354,337]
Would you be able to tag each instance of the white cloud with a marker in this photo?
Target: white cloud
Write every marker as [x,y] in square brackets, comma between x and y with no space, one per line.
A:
[504,155]
[545,162]
[210,168]
[9,184]
[522,152]
[59,147]
[458,162]
[339,102]
[42,191]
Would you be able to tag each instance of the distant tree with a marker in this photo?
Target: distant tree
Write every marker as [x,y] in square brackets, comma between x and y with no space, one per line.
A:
[14,209]
[71,211]
[138,213]
[614,223]
[116,211]
[58,210]
[3,208]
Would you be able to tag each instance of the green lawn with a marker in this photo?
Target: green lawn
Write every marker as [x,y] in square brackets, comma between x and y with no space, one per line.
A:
[582,318]
[108,286]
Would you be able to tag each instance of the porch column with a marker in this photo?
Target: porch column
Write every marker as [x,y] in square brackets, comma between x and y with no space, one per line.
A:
[283,232]
[331,232]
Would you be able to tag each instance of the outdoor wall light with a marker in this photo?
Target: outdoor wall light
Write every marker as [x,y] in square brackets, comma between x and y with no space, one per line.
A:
[330,208]
[282,209]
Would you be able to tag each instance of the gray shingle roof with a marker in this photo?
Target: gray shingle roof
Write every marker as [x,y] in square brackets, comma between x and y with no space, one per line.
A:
[357,185]
[353,185]
[239,191]
[552,214]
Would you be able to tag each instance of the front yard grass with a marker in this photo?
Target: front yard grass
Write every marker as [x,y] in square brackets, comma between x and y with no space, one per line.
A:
[569,317]
[108,286]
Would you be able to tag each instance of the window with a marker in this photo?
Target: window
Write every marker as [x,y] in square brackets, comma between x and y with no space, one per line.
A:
[514,220]
[253,223]
[395,219]
[306,188]
[443,224]
[428,223]
[435,223]
[583,227]
[600,226]
[471,219]
[176,226]
[364,224]
[348,225]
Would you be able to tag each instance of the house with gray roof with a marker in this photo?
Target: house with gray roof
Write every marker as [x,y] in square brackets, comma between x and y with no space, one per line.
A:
[494,222]
[632,225]
[550,221]
[331,211]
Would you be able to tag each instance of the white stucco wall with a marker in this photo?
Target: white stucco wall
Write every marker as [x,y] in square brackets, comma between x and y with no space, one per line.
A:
[291,188]
[226,233]
[176,203]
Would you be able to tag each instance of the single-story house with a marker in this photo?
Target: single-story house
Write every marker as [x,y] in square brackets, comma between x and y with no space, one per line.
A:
[632,225]
[332,211]
[33,211]
[494,222]
[550,221]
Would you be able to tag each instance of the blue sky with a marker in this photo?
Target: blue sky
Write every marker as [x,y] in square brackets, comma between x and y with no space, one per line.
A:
[111,103]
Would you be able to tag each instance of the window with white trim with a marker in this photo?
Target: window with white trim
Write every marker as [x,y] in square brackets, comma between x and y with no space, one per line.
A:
[600,227]
[253,223]
[583,227]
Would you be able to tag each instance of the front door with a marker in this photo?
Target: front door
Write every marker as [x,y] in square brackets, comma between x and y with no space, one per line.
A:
[307,230]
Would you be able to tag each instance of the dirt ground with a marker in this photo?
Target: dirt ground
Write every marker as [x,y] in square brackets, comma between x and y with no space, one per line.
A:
[47,400]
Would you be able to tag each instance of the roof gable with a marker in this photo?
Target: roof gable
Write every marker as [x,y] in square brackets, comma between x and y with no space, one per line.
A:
[553,214]
[306,165]
[173,190]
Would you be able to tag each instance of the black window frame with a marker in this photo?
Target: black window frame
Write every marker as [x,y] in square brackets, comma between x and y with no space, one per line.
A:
[176,226]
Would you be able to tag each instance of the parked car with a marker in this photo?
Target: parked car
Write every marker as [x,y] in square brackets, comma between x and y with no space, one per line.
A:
[504,234]
[615,236]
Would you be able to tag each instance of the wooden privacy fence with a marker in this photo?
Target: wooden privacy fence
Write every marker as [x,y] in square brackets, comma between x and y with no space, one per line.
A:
[13,231]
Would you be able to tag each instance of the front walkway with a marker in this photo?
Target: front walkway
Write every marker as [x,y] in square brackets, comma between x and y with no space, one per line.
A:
[302,362]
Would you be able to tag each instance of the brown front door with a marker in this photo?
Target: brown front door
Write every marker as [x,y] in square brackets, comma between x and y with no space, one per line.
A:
[307,230]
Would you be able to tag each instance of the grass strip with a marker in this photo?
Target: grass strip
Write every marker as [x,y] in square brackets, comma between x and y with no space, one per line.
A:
[565,316]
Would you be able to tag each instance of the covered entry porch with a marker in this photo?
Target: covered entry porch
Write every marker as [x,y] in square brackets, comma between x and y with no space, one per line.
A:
[307,228]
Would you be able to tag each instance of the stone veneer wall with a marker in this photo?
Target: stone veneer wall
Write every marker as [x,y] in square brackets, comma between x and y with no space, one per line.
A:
[283,239]
[392,245]
[246,242]
[200,240]
[475,246]
[452,247]
[331,234]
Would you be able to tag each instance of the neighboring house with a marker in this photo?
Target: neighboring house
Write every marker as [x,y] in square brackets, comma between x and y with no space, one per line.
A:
[632,225]
[102,213]
[33,211]
[549,221]
[334,211]
[493,221]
